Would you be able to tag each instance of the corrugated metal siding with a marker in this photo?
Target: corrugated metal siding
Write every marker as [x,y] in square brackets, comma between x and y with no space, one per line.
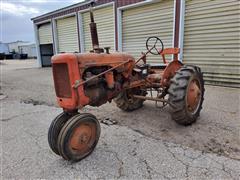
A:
[212,39]
[45,34]
[142,22]
[67,34]
[104,18]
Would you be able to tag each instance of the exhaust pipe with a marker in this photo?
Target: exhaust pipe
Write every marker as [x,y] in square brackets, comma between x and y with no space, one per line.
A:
[93,30]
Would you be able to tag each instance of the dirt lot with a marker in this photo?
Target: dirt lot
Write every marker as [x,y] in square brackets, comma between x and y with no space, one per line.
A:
[217,131]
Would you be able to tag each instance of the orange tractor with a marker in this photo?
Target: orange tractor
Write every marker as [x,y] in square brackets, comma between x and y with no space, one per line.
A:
[99,76]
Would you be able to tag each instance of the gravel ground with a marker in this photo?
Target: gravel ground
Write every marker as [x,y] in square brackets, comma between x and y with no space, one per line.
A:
[145,144]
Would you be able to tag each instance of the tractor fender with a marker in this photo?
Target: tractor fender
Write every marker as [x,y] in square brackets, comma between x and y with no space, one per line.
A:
[170,72]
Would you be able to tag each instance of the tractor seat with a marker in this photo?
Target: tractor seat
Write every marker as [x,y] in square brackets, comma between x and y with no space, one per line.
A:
[169,51]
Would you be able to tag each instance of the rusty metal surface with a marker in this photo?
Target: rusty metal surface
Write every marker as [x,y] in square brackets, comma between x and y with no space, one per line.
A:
[82,138]
[110,79]
[155,78]
[61,80]
[193,95]
[169,72]
[95,59]
[174,51]
[76,85]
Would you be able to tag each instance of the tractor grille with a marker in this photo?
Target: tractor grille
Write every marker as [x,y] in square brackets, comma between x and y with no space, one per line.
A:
[61,80]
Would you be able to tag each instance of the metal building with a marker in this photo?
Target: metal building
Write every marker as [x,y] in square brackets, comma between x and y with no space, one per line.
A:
[29,49]
[14,46]
[207,31]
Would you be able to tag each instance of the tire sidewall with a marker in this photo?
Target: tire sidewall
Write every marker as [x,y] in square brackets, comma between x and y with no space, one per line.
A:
[54,130]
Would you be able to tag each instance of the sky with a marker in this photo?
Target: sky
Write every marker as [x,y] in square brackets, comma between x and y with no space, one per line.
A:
[15,17]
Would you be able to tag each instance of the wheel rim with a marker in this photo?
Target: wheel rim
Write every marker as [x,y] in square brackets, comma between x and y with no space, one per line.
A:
[83,138]
[193,96]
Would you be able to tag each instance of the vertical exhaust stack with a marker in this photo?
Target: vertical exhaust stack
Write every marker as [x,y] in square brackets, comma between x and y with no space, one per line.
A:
[93,30]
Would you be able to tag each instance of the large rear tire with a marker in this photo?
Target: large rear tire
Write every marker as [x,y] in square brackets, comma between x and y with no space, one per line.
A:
[126,102]
[186,95]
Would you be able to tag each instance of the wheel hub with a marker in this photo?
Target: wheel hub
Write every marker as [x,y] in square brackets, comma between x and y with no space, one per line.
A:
[82,138]
[193,95]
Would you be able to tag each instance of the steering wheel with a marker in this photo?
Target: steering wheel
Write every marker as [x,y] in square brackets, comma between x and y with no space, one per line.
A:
[154,45]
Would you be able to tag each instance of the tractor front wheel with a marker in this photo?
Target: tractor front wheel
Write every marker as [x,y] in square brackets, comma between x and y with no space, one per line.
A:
[127,102]
[186,94]
[78,137]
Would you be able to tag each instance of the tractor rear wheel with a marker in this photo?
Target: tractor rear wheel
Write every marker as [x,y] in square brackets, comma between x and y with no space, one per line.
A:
[55,129]
[186,95]
[78,137]
[127,102]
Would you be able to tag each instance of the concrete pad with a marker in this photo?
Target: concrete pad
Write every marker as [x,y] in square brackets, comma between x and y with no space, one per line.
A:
[121,153]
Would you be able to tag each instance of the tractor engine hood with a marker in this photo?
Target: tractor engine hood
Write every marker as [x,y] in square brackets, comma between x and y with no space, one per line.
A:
[95,59]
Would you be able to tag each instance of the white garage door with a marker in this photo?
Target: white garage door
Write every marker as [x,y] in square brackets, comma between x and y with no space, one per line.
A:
[67,34]
[45,34]
[142,22]
[212,39]
[104,17]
